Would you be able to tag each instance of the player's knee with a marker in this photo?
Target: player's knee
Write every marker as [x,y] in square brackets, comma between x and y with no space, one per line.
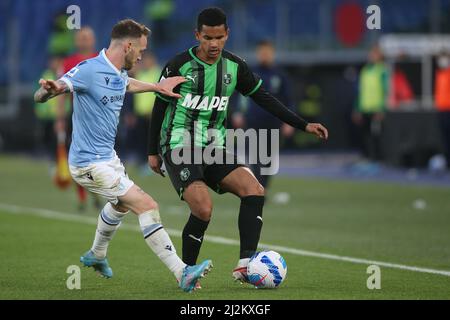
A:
[254,189]
[148,204]
[203,211]
[151,205]
[260,190]
[119,208]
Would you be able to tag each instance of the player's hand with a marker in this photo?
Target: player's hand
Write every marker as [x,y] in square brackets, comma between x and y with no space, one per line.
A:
[52,87]
[155,163]
[238,120]
[357,118]
[287,130]
[167,85]
[379,116]
[317,129]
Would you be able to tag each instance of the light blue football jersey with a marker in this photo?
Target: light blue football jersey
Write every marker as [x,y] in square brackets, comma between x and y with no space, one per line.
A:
[98,89]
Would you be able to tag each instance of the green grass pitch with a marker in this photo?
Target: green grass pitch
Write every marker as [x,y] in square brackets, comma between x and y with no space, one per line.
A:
[374,221]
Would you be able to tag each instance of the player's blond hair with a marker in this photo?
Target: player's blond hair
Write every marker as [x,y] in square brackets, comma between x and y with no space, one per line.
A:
[129,28]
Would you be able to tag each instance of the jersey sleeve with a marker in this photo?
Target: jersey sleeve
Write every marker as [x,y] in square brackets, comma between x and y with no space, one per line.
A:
[126,78]
[247,81]
[78,78]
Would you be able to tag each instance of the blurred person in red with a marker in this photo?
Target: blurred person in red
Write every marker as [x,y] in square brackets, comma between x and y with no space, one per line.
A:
[85,49]
[442,99]
[400,91]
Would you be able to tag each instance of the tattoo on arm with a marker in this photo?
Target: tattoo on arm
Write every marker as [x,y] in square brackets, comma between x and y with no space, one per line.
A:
[42,95]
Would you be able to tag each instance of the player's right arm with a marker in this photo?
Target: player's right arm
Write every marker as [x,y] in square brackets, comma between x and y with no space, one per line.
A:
[249,84]
[159,110]
[269,103]
[154,159]
[50,89]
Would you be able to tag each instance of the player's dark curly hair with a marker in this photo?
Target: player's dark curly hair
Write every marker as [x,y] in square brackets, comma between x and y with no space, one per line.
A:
[129,28]
[211,17]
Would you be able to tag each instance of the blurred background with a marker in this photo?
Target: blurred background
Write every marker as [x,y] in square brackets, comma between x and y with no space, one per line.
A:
[377,189]
[394,114]
[383,92]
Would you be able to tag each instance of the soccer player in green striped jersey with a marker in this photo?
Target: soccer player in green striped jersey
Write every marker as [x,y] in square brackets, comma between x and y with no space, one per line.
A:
[213,75]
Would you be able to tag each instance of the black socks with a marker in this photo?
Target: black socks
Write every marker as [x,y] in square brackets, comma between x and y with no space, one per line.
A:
[192,239]
[250,224]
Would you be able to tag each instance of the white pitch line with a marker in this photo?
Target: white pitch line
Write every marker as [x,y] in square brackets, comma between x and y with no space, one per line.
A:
[55,215]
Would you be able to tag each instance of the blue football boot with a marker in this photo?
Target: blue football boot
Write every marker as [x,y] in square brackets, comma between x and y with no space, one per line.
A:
[191,274]
[99,265]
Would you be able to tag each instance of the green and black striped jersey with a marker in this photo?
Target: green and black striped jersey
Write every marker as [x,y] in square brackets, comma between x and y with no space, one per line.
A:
[205,97]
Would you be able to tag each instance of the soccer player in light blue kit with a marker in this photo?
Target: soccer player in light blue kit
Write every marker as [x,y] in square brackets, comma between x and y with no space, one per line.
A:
[98,86]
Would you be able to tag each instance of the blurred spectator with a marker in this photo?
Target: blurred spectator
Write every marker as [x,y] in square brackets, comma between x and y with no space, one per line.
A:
[46,112]
[442,99]
[61,38]
[85,46]
[148,71]
[137,113]
[126,138]
[371,103]
[252,116]
[159,13]
[85,49]
[400,91]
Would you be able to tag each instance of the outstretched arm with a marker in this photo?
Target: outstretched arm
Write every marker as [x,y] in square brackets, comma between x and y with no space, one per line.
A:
[272,105]
[50,89]
[164,87]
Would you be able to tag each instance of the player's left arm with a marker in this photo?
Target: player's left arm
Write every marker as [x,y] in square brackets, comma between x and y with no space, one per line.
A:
[272,105]
[165,86]
[249,84]
[50,89]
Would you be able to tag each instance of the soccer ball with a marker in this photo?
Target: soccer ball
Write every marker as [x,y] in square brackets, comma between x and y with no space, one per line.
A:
[266,269]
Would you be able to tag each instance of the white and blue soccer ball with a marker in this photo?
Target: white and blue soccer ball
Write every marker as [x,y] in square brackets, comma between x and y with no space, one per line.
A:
[266,269]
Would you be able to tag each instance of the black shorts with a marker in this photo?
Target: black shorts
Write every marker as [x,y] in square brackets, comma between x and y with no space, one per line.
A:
[183,174]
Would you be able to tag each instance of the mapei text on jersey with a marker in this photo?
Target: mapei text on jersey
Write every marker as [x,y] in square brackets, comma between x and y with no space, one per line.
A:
[196,102]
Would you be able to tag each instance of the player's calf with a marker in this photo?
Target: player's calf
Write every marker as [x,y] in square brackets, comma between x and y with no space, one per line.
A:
[108,222]
[159,241]
[197,197]
[193,234]
[199,201]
